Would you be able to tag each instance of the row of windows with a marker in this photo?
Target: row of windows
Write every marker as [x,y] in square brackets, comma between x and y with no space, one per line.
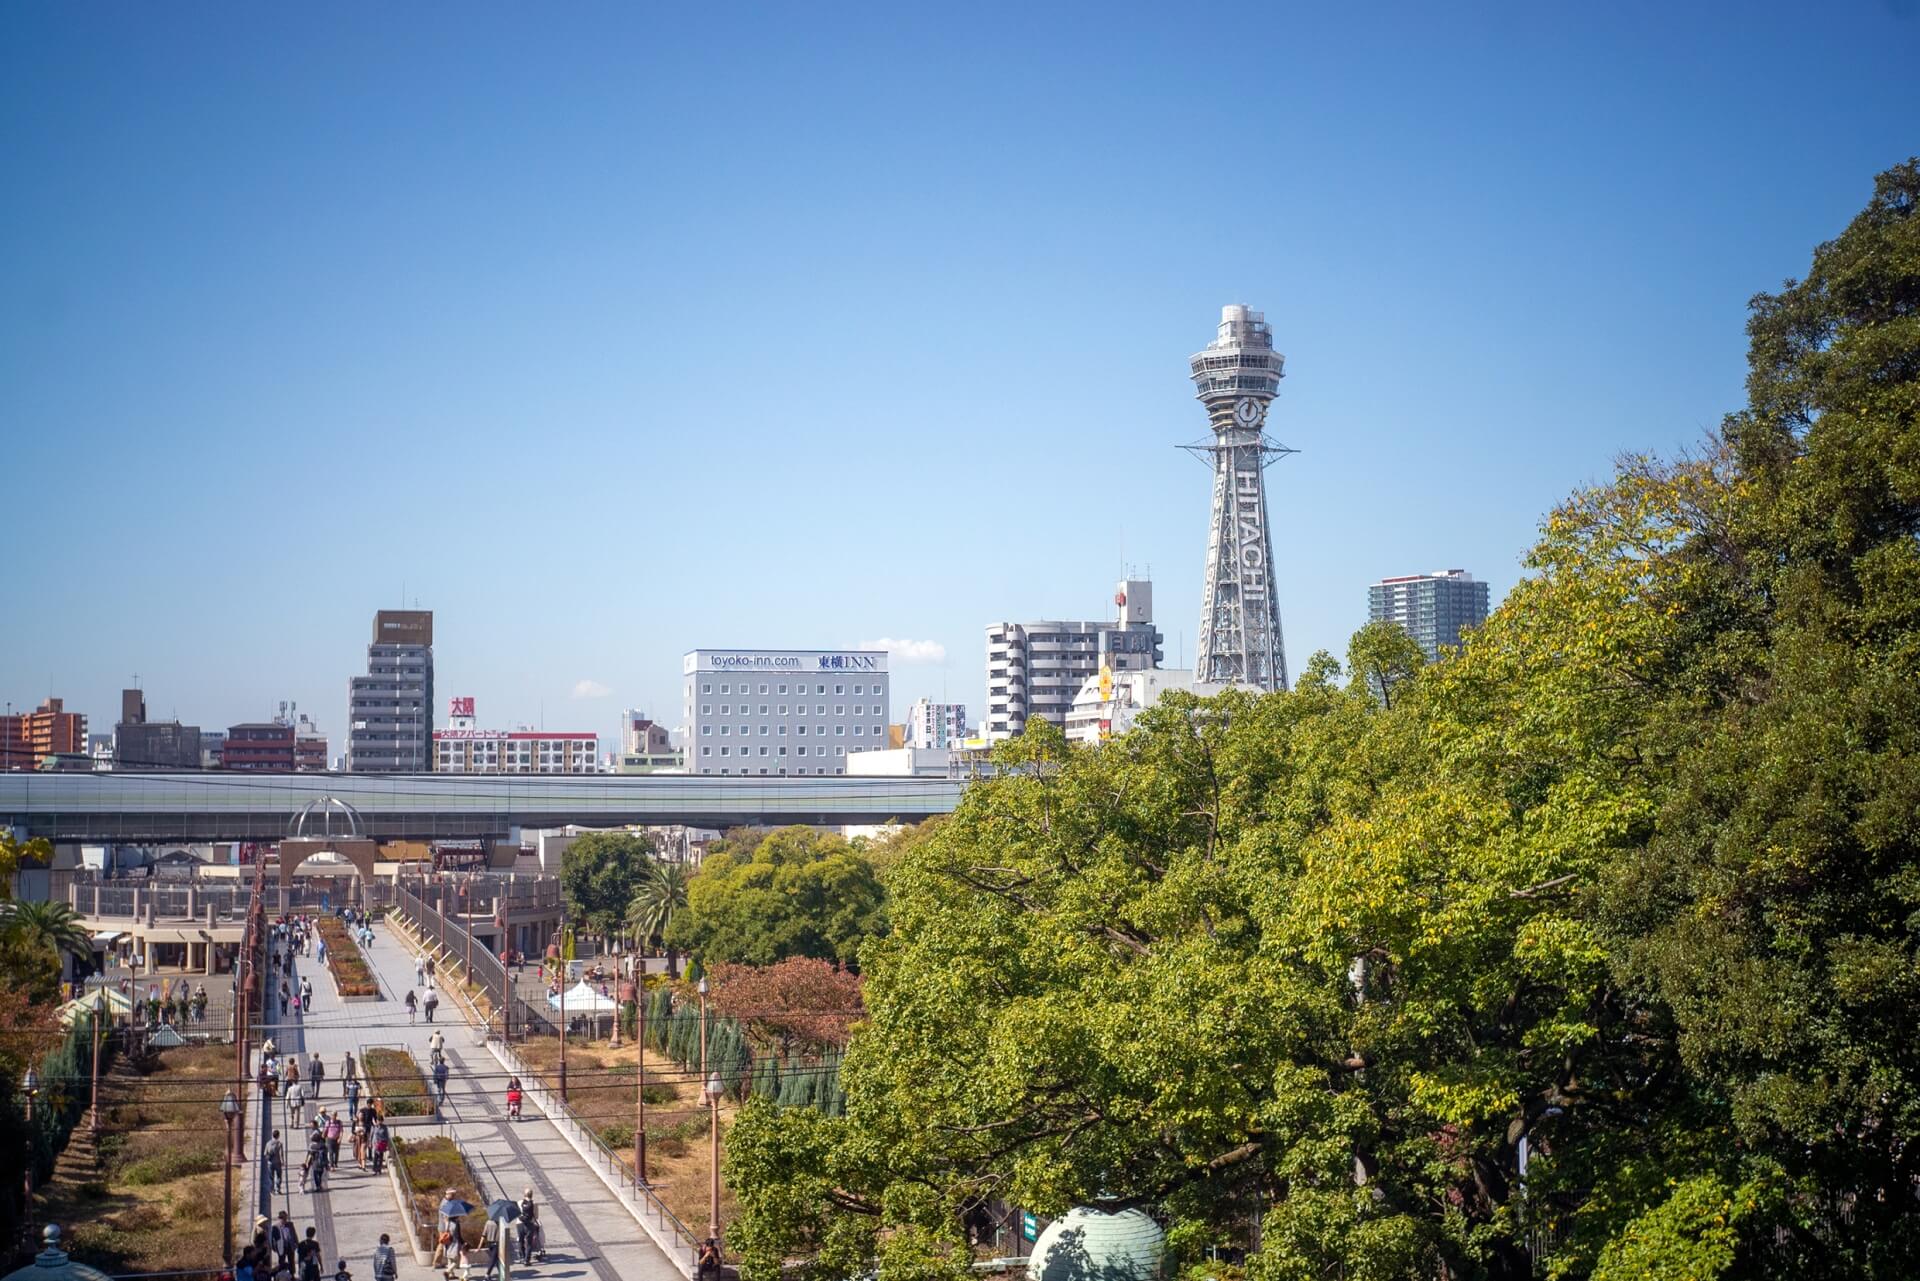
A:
[778,771]
[799,709]
[706,687]
[798,751]
[799,731]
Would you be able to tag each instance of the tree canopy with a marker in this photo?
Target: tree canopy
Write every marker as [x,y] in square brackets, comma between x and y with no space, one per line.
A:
[1598,939]
[794,891]
[599,874]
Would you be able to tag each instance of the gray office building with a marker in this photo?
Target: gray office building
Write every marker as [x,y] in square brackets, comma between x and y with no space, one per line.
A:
[390,709]
[777,712]
[139,743]
[1434,608]
[1035,669]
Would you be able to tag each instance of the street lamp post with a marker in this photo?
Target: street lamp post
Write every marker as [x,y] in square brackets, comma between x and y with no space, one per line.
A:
[99,1013]
[229,1108]
[32,1085]
[712,1087]
[714,1090]
[640,1090]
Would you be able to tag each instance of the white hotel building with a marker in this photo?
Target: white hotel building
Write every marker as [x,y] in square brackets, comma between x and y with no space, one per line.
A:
[780,712]
[462,749]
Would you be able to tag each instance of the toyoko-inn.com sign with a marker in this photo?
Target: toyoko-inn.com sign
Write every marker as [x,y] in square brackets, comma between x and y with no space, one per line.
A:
[792,661]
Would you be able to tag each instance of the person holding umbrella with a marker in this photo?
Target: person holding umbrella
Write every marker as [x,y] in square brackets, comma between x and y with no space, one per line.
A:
[451,1207]
[500,1212]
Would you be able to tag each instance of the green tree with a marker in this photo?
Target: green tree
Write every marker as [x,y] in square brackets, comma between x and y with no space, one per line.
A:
[796,892]
[1630,883]
[54,926]
[599,874]
[657,899]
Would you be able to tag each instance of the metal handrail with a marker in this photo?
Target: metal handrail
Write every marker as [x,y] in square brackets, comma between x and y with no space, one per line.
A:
[560,1112]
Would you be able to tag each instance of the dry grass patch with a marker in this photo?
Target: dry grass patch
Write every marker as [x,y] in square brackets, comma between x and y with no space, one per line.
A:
[163,1141]
[394,1078]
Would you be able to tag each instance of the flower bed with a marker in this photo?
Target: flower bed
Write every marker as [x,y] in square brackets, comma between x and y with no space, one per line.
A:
[394,1078]
[350,972]
[432,1166]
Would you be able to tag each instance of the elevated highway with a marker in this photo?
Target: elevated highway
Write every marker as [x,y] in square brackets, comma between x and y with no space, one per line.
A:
[220,806]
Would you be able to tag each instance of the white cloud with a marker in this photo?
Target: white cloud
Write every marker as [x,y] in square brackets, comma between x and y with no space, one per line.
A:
[590,689]
[909,651]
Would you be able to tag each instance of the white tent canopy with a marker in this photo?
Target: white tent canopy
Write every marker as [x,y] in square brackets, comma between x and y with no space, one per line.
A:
[582,999]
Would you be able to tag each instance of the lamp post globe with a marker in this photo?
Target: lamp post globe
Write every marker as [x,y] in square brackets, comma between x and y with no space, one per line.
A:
[229,1109]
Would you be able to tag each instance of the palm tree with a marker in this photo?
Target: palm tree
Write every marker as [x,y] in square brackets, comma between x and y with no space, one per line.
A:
[53,925]
[662,892]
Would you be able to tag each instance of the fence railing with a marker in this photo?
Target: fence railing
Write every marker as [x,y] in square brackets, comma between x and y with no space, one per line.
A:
[682,1246]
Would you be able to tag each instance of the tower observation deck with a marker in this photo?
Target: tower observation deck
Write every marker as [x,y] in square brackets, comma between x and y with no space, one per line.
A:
[1237,377]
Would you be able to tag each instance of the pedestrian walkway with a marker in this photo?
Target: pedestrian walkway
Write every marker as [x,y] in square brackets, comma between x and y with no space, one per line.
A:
[356,1206]
[589,1232]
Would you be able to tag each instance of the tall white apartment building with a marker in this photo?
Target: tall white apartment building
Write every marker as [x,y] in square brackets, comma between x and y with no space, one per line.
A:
[777,712]
[1036,669]
[933,725]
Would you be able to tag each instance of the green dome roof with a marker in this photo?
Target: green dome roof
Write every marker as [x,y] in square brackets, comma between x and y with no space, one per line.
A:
[1088,1243]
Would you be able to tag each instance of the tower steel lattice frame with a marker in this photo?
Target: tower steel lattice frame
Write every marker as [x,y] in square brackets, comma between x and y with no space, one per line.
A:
[1237,377]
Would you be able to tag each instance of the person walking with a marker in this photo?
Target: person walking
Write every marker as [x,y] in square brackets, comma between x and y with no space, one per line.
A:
[306,993]
[386,1265]
[353,1095]
[309,1257]
[349,1070]
[284,1239]
[432,1003]
[333,1131]
[413,1005]
[436,1041]
[419,971]
[317,1074]
[313,1171]
[439,1084]
[293,1069]
[490,1249]
[296,1104]
[380,1141]
[276,1157]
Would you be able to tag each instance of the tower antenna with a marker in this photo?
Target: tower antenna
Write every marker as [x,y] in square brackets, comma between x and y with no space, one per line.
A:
[1237,377]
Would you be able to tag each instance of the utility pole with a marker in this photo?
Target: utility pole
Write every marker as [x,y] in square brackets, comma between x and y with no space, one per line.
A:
[562,960]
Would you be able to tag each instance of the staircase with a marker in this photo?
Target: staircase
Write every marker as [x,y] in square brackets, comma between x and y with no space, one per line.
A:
[79,1161]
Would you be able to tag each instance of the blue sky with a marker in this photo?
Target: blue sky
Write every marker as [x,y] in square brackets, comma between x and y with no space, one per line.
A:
[608,331]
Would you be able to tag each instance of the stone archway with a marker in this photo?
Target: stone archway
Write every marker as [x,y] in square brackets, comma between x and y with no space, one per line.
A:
[327,825]
[297,850]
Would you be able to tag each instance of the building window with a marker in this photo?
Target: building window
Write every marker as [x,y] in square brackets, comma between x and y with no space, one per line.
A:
[800,751]
[839,730]
[783,689]
[840,710]
[858,730]
[723,751]
[857,690]
[820,709]
[706,751]
[839,751]
[723,706]
[763,689]
[763,706]
[781,752]
[838,690]
[725,728]
[763,749]
[801,730]
[819,689]
[706,709]
[782,731]
[706,689]
[723,689]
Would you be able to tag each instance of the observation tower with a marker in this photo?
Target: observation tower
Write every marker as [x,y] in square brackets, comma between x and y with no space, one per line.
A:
[1238,375]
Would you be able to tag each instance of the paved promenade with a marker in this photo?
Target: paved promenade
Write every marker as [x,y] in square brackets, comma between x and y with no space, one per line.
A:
[589,1233]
